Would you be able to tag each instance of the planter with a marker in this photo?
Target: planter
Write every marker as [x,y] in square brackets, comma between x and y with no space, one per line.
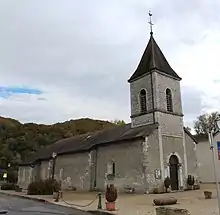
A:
[196,187]
[208,194]
[110,206]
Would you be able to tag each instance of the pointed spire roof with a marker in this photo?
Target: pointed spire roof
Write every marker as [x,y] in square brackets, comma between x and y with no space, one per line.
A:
[153,58]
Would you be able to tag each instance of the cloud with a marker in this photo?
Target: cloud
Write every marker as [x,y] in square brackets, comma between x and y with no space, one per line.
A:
[79,55]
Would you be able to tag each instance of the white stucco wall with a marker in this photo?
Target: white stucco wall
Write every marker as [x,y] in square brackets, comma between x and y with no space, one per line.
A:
[205,162]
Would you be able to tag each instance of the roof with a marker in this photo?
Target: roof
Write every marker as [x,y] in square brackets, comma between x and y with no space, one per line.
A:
[86,142]
[153,58]
[192,136]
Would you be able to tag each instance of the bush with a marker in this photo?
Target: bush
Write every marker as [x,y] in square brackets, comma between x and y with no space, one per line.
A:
[111,193]
[12,177]
[8,186]
[190,180]
[167,183]
[43,187]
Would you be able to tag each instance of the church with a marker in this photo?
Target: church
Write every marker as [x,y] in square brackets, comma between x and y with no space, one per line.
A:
[138,155]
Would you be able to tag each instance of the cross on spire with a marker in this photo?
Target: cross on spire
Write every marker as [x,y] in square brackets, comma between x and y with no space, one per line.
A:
[150,22]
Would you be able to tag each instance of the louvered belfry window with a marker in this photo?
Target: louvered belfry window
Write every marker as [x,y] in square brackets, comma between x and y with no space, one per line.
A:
[169,100]
[143,101]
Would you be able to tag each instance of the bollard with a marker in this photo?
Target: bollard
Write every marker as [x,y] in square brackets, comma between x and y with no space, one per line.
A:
[100,200]
[57,197]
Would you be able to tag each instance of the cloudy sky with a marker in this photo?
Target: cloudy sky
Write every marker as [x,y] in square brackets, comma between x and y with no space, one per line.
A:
[64,59]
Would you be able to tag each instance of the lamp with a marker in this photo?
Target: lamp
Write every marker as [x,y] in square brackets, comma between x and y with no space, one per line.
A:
[54,154]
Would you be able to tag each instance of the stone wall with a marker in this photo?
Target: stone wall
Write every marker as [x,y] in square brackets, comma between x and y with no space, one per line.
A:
[135,88]
[192,163]
[152,162]
[73,171]
[128,160]
[24,176]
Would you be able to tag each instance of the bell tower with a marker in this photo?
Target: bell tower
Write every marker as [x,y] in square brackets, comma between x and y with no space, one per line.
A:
[155,89]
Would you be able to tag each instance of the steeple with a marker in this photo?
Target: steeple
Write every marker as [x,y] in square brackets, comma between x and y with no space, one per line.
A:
[153,59]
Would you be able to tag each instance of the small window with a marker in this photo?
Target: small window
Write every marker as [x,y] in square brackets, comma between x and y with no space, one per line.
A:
[169,100]
[111,168]
[143,101]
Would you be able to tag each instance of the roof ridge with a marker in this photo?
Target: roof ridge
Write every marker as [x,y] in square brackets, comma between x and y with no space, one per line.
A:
[153,53]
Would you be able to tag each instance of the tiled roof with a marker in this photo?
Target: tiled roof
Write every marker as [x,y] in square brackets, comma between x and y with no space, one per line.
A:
[153,58]
[86,142]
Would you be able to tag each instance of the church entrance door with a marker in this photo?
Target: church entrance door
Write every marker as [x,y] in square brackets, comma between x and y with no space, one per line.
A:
[174,172]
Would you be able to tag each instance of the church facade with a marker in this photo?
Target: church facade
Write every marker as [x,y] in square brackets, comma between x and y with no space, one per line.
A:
[138,155]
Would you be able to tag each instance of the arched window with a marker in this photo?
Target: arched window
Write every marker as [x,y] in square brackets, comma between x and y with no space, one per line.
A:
[143,100]
[169,100]
[111,168]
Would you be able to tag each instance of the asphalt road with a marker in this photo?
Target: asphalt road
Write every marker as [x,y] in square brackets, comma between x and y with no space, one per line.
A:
[19,206]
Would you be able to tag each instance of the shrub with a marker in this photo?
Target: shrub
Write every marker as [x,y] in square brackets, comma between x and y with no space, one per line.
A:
[111,193]
[190,180]
[167,183]
[43,187]
[12,177]
[8,186]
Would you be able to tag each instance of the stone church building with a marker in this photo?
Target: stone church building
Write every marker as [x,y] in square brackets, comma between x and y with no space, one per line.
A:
[138,155]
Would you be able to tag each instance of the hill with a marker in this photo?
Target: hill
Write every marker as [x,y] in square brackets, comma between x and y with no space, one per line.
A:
[18,141]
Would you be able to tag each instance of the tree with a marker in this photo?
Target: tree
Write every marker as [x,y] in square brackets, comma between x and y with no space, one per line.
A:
[118,122]
[206,122]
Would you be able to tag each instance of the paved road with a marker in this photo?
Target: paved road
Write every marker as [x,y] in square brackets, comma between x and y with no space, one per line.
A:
[19,206]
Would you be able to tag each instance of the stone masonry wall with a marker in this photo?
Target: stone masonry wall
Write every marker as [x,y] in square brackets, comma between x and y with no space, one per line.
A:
[128,165]
[74,171]
[152,162]
[135,88]
[192,163]
[24,176]
[161,83]
[174,145]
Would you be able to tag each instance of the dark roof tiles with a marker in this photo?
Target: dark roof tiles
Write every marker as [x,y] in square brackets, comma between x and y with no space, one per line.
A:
[86,142]
[153,58]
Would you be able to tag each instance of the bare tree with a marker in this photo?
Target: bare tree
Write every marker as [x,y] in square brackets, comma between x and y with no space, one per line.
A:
[206,122]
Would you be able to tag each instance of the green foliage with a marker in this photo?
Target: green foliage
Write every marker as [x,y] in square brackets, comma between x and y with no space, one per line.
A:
[167,183]
[12,176]
[111,193]
[8,186]
[118,122]
[190,180]
[206,122]
[18,141]
[43,187]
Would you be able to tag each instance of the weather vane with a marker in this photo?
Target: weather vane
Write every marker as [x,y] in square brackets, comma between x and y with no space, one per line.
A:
[150,22]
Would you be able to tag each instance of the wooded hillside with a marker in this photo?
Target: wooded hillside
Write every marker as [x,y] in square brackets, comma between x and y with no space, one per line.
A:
[18,141]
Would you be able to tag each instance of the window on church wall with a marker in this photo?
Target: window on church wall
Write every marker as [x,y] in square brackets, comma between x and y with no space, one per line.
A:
[143,101]
[169,100]
[111,168]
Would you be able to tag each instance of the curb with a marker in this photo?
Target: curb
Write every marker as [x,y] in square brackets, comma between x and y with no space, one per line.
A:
[26,197]
[98,212]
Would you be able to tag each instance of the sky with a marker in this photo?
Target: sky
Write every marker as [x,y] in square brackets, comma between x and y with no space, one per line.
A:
[62,60]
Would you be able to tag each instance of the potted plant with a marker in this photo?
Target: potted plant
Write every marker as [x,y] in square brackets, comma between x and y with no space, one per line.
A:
[208,194]
[167,183]
[111,196]
[190,181]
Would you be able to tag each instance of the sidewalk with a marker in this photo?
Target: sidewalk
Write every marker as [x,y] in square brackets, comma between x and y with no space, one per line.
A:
[134,204]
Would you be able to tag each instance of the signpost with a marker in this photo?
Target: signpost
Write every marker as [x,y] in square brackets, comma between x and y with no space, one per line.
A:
[218,147]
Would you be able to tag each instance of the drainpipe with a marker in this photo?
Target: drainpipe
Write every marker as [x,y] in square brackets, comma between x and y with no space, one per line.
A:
[54,155]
